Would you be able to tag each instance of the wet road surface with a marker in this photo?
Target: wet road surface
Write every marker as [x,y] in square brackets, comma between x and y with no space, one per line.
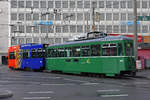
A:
[47,86]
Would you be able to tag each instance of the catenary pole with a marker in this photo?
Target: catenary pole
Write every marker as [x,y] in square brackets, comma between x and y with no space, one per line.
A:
[93,17]
[135,28]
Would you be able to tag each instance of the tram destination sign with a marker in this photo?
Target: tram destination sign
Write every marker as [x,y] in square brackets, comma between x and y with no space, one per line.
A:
[143,18]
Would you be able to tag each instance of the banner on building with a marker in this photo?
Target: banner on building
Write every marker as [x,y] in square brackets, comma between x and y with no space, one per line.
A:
[146,39]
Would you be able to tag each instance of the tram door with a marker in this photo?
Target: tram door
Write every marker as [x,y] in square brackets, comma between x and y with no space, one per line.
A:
[109,55]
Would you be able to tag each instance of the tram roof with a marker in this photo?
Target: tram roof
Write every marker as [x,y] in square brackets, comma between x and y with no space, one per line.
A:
[107,38]
[31,45]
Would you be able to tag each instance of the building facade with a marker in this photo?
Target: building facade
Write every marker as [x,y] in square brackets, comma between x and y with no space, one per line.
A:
[3,26]
[56,21]
[3,29]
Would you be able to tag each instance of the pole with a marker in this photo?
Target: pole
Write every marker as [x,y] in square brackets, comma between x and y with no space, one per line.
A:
[87,27]
[93,16]
[135,28]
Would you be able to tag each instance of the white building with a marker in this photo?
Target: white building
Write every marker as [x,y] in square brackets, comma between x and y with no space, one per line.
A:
[3,28]
[29,19]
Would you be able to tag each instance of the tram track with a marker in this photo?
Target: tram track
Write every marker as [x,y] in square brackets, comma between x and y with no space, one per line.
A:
[125,81]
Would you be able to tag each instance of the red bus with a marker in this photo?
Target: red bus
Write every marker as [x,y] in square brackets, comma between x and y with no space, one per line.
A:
[12,57]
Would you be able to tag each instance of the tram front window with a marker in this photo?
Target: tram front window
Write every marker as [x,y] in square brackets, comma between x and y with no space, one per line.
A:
[129,49]
[11,55]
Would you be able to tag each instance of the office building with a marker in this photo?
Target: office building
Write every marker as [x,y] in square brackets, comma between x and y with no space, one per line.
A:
[56,21]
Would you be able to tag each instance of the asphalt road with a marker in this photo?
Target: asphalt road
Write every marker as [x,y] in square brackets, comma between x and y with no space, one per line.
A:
[47,86]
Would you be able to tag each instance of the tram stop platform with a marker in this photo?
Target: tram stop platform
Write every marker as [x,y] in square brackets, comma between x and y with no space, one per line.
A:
[5,94]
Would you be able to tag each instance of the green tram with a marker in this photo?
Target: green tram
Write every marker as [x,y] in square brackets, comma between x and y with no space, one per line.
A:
[108,56]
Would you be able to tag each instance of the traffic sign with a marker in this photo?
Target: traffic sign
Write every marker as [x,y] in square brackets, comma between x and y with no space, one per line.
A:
[143,18]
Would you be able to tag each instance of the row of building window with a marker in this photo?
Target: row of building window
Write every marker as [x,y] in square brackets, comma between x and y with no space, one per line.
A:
[80,29]
[37,40]
[78,4]
[51,16]
[73,16]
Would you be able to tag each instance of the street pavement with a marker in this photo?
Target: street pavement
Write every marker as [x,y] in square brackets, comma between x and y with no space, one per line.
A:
[27,85]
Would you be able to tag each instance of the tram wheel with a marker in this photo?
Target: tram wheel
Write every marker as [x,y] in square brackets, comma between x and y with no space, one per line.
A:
[27,69]
[133,74]
[11,68]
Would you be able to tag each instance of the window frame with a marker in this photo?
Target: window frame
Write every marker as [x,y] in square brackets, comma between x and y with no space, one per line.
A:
[26,54]
[98,53]
[74,48]
[110,48]
[85,51]
[12,55]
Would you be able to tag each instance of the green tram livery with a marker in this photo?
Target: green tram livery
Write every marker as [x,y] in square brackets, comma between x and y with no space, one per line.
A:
[108,56]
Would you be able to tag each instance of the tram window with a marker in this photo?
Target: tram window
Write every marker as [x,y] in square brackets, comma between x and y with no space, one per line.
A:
[61,52]
[95,50]
[112,45]
[65,52]
[120,51]
[109,50]
[49,52]
[85,50]
[105,45]
[26,54]
[53,53]
[76,51]
[11,55]
[109,45]
[44,53]
[40,53]
[33,53]
[68,52]
[129,49]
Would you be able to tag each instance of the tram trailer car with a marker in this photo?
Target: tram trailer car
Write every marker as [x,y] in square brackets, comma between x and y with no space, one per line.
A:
[33,56]
[109,55]
[12,59]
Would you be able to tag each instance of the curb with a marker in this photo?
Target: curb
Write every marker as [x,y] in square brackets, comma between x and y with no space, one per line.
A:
[5,94]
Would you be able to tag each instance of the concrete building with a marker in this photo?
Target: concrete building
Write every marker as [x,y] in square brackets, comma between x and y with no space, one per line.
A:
[55,21]
[3,28]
